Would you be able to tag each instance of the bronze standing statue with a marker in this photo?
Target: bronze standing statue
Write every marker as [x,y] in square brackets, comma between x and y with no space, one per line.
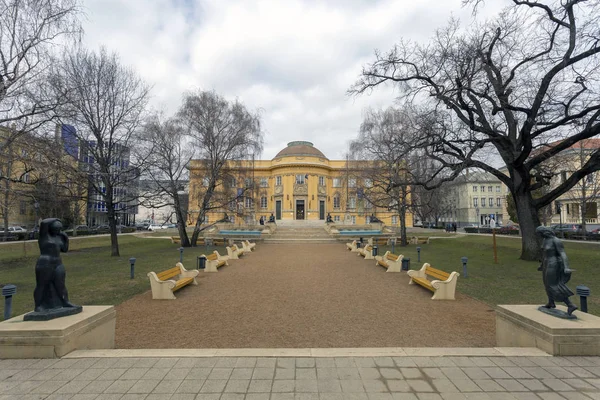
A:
[50,295]
[556,274]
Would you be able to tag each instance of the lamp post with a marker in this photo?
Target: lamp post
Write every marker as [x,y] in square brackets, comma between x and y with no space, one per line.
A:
[477,211]
[559,211]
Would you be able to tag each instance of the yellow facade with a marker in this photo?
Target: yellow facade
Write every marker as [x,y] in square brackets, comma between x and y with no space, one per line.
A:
[299,183]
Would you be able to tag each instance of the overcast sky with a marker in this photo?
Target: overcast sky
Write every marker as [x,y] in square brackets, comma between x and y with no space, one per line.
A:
[291,59]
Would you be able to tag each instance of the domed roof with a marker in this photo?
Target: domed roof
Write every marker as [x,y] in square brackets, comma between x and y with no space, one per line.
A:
[300,148]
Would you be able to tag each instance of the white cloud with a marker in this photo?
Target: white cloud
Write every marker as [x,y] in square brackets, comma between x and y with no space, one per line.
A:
[293,59]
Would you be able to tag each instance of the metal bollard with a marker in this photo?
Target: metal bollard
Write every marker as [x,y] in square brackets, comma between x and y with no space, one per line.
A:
[375,250]
[464,263]
[181,255]
[132,270]
[418,254]
[405,264]
[8,291]
[201,262]
[583,292]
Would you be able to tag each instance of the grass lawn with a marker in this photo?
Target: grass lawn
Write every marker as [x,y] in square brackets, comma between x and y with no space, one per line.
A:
[511,281]
[93,277]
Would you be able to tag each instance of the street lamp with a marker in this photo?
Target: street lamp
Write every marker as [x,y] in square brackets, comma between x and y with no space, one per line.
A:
[477,211]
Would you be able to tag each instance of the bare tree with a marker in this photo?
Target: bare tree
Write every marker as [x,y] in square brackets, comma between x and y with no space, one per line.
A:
[225,135]
[382,152]
[30,31]
[168,162]
[105,101]
[503,89]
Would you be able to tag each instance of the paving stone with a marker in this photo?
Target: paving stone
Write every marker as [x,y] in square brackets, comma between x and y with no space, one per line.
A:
[237,386]
[331,396]
[266,362]
[489,385]
[543,361]
[346,362]
[287,363]
[404,362]
[429,396]
[246,362]
[395,385]
[364,362]
[306,373]
[145,363]
[49,387]
[483,362]
[355,396]
[466,385]
[557,385]
[156,373]
[453,396]
[550,396]
[83,396]
[574,396]
[260,396]
[352,386]
[166,362]
[511,385]
[232,396]
[579,384]
[423,361]
[190,386]
[475,373]
[369,373]
[454,373]
[462,361]
[228,362]
[282,396]
[185,363]
[502,362]
[205,363]
[444,385]
[517,372]
[525,395]
[581,372]
[390,373]
[379,396]
[329,386]
[303,396]
[309,386]
[213,386]
[329,373]
[522,361]
[305,362]
[326,362]
[143,386]
[177,374]
[48,374]
[415,373]
[495,372]
[533,384]
[283,385]
[374,386]
[116,396]
[220,373]
[260,385]
[404,396]
[96,387]
[345,373]
[242,373]
[559,372]
[538,372]
[384,361]
[419,385]
[208,396]
[120,387]
[263,373]
[183,396]
[444,362]
[198,373]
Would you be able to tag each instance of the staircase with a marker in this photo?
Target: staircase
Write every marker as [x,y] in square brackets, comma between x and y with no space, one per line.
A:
[293,231]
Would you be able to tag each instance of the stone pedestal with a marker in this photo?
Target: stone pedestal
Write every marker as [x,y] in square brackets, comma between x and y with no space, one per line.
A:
[93,328]
[525,326]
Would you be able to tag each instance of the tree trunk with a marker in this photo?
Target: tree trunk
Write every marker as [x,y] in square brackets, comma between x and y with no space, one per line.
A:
[528,222]
[185,241]
[197,229]
[112,224]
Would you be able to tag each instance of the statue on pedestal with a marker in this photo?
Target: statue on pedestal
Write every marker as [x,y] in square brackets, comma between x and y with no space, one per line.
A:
[329,219]
[556,273]
[50,295]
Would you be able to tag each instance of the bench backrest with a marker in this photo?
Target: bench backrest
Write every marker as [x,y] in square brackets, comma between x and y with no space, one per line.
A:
[211,257]
[436,273]
[392,257]
[234,247]
[368,247]
[168,274]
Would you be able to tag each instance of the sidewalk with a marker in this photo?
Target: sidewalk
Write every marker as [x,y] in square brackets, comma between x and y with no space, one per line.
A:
[301,378]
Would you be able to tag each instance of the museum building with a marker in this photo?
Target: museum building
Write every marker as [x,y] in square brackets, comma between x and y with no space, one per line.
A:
[299,183]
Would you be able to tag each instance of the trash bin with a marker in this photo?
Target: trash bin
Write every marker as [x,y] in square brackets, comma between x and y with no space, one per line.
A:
[405,264]
[375,250]
[201,262]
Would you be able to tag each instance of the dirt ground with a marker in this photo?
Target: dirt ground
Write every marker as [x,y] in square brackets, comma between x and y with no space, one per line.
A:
[299,296]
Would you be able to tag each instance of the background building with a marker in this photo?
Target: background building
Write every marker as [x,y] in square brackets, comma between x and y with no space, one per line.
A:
[478,197]
[299,183]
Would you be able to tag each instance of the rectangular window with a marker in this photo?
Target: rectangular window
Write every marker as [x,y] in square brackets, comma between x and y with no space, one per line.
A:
[491,202]
[336,202]
[337,182]
[352,182]
[205,181]
[300,179]
[248,182]
[352,202]
[474,201]
[336,218]
[263,202]
[249,202]
[278,180]
[482,188]
[474,188]
[353,220]
[233,183]
[563,176]
[497,189]
[23,208]
[490,189]
[483,202]
[321,181]
[394,219]
[368,182]
[498,202]
[264,182]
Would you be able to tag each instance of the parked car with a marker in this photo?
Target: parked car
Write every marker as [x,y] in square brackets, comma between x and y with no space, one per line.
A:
[574,228]
[81,228]
[156,227]
[16,229]
[172,226]
[102,229]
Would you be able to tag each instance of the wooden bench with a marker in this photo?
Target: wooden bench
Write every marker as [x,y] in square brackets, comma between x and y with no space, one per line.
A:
[419,240]
[214,261]
[247,246]
[163,285]
[380,241]
[443,286]
[366,252]
[391,261]
[234,252]
[215,241]
[175,239]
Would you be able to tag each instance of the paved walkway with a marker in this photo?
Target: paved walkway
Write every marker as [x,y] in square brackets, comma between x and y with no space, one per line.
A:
[302,378]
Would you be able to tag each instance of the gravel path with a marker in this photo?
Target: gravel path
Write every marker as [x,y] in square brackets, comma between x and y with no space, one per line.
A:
[298,295]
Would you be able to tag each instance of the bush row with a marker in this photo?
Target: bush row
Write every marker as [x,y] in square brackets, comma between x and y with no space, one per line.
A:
[80,232]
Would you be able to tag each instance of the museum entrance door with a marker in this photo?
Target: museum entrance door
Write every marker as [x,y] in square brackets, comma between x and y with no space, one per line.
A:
[321,209]
[299,209]
[278,209]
